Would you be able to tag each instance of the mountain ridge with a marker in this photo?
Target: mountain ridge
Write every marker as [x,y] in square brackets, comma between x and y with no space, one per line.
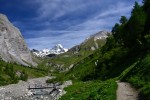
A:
[69,59]
[57,49]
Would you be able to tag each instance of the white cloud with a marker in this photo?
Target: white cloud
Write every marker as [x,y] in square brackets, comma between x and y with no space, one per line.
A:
[118,9]
[72,37]
[103,19]
[58,8]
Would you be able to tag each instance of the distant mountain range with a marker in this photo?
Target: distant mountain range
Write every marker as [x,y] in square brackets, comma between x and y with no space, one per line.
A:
[67,60]
[57,49]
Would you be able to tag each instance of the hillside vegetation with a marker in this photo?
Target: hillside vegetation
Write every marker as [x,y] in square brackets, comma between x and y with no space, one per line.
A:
[12,73]
[78,53]
[138,76]
[93,90]
[125,56]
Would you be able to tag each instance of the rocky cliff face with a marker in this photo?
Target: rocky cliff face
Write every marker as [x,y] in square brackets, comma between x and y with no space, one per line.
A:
[12,45]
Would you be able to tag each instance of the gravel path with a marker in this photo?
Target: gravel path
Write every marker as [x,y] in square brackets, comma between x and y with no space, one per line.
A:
[20,89]
[126,92]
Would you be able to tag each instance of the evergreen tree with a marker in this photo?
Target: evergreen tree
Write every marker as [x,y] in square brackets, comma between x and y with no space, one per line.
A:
[146,4]
[115,28]
[146,7]
[134,28]
[123,20]
[118,30]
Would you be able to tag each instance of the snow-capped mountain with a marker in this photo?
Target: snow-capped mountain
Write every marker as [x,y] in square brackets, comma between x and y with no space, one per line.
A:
[57,49]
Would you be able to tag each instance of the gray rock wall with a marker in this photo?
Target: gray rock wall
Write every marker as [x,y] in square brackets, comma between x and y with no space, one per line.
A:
[12,45]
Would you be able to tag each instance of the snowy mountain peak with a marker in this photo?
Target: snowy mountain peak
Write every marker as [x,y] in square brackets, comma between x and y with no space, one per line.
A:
[57,49]
[59,46]
[45,50]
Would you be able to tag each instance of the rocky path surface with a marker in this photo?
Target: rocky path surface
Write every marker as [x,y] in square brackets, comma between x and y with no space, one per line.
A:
[20,90]
[126,92]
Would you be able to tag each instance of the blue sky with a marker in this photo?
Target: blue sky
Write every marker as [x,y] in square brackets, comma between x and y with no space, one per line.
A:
[45,23]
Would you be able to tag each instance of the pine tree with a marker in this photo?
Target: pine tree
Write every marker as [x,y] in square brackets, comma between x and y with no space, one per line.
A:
[146,7]
[123,20]
[134,28]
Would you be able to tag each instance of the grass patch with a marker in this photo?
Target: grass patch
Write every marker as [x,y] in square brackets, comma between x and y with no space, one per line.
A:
[92,90]
[126,71]
[32,72]
[11,73]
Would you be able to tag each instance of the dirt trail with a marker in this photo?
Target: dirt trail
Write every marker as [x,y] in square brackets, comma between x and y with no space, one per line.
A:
[126,92]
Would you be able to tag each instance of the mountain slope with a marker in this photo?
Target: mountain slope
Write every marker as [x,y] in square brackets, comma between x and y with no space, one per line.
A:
[125,56]
[65,61]
[12,45]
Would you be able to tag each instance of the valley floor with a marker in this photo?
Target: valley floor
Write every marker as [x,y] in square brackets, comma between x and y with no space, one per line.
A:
[33,89]
[126,92]
[18,90]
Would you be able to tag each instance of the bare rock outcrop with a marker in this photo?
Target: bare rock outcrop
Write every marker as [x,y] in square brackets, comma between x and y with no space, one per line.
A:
[12,45]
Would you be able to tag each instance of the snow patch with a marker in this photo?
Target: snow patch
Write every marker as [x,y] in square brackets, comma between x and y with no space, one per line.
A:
[57,49]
